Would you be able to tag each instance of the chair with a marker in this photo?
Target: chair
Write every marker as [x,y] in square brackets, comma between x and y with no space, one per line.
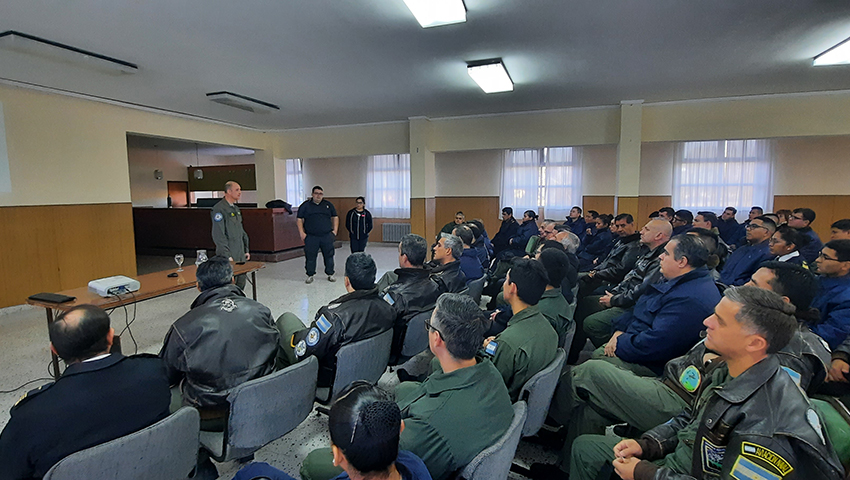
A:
[166,450]
[476,289]
[263,410]
[363,360]
[571,310]
[538,391]
[494,462]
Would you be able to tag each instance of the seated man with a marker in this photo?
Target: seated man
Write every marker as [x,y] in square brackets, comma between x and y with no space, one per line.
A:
[728,226]
[552,303]
[746,259]
[576,222]
[99,397]
[785,245]
[570,242]
[481,243]
[730,433]
[802,219]
[833,299]
[619,262]
[459,219]
[470,264]
[355,316]
[445,267]
[413,292]
[225,340]
[529,343]
[595,248]
[840,230]
[667,319]
[682,221]
[507,229]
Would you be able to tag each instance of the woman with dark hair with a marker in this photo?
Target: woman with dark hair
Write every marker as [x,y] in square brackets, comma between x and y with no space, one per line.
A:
[358,221]
[786,243]
[527,229]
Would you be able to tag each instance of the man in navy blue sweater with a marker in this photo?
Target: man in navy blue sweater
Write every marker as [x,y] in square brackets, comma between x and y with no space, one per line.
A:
[833,299]
[745,260]
[802,219]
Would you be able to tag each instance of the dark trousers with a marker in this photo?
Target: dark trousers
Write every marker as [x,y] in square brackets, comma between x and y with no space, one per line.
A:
[312,245]
[358,245]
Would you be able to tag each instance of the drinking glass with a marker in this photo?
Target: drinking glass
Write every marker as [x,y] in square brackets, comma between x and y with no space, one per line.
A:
[179,259]
[202,257]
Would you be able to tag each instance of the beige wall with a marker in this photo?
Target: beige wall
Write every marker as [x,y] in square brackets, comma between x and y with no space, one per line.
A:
[474,173]
[339,177]
[656,168]
[812,166]
[599,170]
[355,140]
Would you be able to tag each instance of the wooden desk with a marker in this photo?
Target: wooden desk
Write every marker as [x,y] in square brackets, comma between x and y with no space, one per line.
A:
[152,285]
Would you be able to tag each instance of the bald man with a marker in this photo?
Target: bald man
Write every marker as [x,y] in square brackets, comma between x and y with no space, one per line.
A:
[230,239]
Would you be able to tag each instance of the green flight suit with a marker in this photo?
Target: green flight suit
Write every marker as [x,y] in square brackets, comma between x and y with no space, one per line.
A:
[554,307]
[525,347]
[230,238]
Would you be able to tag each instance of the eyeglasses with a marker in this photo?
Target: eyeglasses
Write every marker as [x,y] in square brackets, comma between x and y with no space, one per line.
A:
[429,327]
[827,257]
[753,226]
[360,202]
[795,217]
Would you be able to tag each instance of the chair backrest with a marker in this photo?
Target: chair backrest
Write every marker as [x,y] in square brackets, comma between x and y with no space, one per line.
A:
[571,310]
[416,337]
[363,360]
[494,462]
[537,393]
[476,288]
[267,408]
[166,450]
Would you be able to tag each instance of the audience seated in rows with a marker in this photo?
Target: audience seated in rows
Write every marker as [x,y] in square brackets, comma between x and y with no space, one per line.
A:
[741,235]
[745,260]
[446,266]
[470,263]
[802,219]
[359,314]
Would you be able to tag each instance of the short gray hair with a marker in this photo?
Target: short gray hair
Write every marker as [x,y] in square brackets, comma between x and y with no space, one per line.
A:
[454,243]
[764,313]
[571,242]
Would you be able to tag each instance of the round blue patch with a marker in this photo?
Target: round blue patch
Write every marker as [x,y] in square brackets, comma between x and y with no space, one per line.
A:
[313,337]
[218,217]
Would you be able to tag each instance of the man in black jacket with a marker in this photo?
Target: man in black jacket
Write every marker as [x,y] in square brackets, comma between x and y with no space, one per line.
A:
[445,266]
[225,340]
[355,316]
[100,397]
[508,228]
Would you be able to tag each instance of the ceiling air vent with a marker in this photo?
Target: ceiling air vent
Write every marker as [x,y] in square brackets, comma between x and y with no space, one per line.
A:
[242,102]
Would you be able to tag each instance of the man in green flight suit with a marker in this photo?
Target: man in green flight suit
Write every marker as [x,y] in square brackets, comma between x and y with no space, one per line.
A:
[230,238]
[462,392]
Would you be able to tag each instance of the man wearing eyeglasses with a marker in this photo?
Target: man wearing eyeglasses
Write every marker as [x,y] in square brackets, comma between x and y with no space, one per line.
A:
[745,260]
[460,218]
[802,219]
[833,299]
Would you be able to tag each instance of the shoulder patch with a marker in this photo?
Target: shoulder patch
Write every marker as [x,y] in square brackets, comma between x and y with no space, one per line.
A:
[794,375]
[389,299]
[228,305]
[491,347]
[323,324]
[313,337]
[768,456]
[32,393]
[712,457]
[691,379]
[218,217]
[300,349]
[745,469]
[814,421]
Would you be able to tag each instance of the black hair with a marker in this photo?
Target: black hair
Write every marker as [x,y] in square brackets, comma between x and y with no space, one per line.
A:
[83,339]
[693,248]
[685,215]
[842,249]
[465,234]
[732,209]
[359,198]
[365,423]
[460,322]
[530,214]
[415,247]
[508,210]
[668,210]
[530,279]
[606,219]
[768,222]
[797,283]
[759,209]
[766,313]
[843,224]
[654,215]
[555,262]
[214,273]
[709,217]
[360,269]
[627,217]
[808,214]
[710,239]
[316,187]
[792,235]
[479,225]
[593,214]
[577,208]
[548,244]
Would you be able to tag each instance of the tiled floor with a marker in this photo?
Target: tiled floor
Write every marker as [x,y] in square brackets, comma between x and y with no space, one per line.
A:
[25,355]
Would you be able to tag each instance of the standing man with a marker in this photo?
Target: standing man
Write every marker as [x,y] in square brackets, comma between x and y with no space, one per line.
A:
[230,239]
[317,224]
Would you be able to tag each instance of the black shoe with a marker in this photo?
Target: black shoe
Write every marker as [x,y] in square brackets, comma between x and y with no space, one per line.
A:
[547,471]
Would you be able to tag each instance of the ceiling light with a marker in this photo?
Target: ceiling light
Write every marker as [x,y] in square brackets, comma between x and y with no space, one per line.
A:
[433,13]
[242,102]
[837,55]
[21,42]
[490,75]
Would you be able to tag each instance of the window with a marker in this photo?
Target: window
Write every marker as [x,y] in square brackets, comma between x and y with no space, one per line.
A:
[542,177]
[717,174]
[294,182]
[388,186]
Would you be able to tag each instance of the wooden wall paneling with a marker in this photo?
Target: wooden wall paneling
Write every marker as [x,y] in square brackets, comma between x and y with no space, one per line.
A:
[418,216]
[828,208]
[28,257]
[650,203]
[600,203]
[628,205]
[485,208]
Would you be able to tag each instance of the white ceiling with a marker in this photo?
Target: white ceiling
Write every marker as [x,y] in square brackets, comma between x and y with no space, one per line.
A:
[338,62]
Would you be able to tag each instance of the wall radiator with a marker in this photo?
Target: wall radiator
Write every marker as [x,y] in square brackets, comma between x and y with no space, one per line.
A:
[392,232]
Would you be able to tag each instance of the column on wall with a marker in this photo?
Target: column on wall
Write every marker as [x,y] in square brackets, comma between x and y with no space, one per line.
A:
[265,167]
[628,157]
[423,179]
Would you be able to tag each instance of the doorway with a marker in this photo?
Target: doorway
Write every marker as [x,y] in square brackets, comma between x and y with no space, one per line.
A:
[179,194]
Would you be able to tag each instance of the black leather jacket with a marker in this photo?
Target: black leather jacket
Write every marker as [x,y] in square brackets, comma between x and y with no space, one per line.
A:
[412,293]
[759,421]
[842,352]
[448,277]
[620,261]
[225,340]
[646,272]
[355,316]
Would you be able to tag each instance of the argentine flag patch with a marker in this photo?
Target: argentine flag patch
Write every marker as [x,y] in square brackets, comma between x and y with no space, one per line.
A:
[323,324]
[491,347]
[389,299]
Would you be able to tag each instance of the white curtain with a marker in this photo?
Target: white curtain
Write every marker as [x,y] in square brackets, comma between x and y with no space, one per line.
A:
[388,186]
[294,182]
[718,174]
[542,177]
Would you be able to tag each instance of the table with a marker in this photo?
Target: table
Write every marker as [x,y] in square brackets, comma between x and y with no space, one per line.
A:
[152,285]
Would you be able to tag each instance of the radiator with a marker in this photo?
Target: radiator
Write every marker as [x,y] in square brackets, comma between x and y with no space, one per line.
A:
[392,232]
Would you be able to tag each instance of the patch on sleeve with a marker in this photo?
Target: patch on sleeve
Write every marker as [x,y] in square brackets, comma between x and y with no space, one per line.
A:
[228,305]
[690,379]
[712,457]
[794,375]
[491,347]
[768,456]
[814,421]
[389,299]
[323,324]
[300,349]
[745,469]
[313,337]
[218,217]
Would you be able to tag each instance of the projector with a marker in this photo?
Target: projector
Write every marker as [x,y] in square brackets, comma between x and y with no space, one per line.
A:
[109,286]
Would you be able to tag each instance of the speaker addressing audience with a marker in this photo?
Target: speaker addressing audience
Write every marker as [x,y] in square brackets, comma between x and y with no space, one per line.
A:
[445,267]
[833,299]
[317,224]
[358,222]
[802,219]
[224,340]
[355,316]
[230,239]
[101,396]
[745,260]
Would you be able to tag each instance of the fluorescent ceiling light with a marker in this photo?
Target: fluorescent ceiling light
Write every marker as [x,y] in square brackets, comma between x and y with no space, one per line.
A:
[490,75]
[242,102]
[21,42]
[837,55]
[433,13]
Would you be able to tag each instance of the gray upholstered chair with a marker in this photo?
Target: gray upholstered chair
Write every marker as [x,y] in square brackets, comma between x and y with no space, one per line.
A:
[263,410]
[494,462]
[571,311]
[476,288]
[416,337]
[363,360]
[538,391]
[166,450]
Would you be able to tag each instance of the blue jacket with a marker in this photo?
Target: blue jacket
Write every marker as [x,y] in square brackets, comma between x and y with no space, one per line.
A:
[743,262]
[810,252]
[597,246]
[833,303]
[470,265]
[729,230]
[525,231]
[667,320]
[578,226]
